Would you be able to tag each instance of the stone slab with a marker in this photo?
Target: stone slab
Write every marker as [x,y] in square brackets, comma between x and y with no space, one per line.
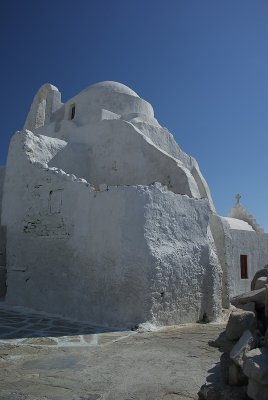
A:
[256,391]
[256,296]
[260,273]
[256,365]
[246,343]
[261,282]
[238,322]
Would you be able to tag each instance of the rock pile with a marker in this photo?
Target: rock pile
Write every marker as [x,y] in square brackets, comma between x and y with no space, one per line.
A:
[244,363]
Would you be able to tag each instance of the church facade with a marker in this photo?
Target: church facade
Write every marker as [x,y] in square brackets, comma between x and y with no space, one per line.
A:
[105,219]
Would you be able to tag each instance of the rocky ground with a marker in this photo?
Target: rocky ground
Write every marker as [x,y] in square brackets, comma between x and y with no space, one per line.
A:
[45,357]
[243,369]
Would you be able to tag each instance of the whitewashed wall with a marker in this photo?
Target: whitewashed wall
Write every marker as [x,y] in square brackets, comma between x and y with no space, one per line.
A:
[117,256]
[255,246]
[114,125]
[230,244]
[116,153]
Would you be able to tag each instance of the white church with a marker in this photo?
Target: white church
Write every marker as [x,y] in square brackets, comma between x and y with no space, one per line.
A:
[105,219]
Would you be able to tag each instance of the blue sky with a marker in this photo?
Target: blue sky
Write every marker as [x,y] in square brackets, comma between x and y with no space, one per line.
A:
[201,64]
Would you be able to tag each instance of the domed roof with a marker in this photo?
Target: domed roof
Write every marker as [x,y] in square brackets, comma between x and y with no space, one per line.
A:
[239,212]
[238,224]
[111,86]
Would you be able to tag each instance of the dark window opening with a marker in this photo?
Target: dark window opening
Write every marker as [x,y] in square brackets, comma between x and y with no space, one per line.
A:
[72,112]
[244,266]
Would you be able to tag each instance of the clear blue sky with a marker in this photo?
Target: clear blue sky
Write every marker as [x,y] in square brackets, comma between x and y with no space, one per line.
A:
[203,65]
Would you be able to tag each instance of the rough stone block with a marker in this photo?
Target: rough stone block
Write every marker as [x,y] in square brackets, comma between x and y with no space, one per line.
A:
[256,391]
[260,282]
[225,364]
[256,365]
[261,273]
[256,296]
[236,377]
[223,343]
[233,375]
[235,393]
[238,322]
[210,392]
[248,306]
[246,343]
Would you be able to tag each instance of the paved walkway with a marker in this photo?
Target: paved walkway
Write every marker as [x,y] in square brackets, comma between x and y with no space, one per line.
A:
[49,358]
[22,328]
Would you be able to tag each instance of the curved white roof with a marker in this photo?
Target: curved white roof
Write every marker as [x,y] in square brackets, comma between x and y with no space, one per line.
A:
[111,86]
[238,224]
[239,212]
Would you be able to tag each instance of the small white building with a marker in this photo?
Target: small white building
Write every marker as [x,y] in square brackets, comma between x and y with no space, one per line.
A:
[105,219]
[242,248]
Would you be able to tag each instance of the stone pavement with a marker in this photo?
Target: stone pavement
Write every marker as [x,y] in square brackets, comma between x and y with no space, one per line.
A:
[49,358]
[32,328]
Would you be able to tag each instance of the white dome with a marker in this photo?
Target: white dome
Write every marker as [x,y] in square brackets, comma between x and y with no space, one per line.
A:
[238,224]
[111,86]
[109,96]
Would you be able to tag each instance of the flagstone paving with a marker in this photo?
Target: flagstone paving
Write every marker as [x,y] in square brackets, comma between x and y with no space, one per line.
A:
[36,329]
[50,358]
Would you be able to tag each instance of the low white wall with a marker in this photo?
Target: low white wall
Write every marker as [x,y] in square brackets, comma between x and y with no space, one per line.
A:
[116,257]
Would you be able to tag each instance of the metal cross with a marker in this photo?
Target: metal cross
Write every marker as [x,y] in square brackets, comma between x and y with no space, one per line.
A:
[238,197]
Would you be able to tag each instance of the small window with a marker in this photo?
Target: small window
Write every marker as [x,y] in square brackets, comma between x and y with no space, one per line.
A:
[55,201]
[244,266]
[72,111]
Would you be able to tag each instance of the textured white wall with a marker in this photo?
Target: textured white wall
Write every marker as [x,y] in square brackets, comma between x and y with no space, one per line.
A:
[119,257]
[255,246]
[90,102]
[116,153]
[230,243]
[91,235]
[46,101]
[104,114]
[223,242]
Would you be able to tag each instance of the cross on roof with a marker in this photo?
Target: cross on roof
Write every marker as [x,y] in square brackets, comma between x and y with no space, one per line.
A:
[238,197]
